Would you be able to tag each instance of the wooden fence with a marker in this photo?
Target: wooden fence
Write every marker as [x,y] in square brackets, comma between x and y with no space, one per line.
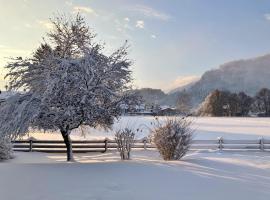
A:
[83,146]
[79,146]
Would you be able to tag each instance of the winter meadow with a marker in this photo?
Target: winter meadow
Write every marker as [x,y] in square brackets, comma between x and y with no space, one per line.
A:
[134,100]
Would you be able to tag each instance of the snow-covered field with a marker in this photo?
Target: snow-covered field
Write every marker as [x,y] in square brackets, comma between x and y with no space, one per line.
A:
[201,175]
[205,128]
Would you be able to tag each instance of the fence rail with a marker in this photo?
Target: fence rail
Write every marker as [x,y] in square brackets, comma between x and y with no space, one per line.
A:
[84,146]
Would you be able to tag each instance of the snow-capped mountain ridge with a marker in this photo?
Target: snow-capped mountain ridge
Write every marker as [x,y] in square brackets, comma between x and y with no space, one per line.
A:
[249,75]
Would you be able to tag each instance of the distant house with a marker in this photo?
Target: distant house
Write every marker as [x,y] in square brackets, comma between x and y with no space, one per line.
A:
[140,108]
[148,109]
[133,109]
[167,111]
[152,108]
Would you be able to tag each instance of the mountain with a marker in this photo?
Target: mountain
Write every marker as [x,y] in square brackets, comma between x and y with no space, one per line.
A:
[157,96]
[249,75]
[150,95]
[184,87]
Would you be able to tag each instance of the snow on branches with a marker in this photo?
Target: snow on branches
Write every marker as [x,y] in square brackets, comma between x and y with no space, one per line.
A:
[68,82]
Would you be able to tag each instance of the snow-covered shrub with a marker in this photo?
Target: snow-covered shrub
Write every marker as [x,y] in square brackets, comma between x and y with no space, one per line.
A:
[173,138]
[6,151]
[124,139]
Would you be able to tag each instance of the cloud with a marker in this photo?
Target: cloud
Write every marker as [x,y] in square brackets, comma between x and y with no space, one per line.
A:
[150,12]
[84,9]
[140,24]
[69,3]
[123,27]
[267,16]
[45,24]
[153,36]
[182,81]
[126,19]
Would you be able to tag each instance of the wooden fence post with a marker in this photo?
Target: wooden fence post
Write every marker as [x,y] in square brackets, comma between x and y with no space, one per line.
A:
[31,145]
[106,145]
[262,144]
[220,142]
[144,143]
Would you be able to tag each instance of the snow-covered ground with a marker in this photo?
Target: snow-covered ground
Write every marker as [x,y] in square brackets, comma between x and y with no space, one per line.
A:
[201,175]
[205,128]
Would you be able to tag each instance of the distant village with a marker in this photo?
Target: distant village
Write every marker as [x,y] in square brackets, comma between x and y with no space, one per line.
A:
[218,103]
[152,109]
[149,109]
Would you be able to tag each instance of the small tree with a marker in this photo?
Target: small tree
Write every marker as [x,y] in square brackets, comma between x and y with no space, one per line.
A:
[68,82]
[262,102]
[244,102]
[184,102]
[173,138]
[224,103]
[125,140]
[232,104]
[213,104]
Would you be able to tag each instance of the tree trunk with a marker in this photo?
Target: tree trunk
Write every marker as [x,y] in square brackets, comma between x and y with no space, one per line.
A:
[68,143]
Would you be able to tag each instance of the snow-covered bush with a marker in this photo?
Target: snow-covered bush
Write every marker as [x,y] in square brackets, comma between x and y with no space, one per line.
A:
[124,139]
[6,151]
[173,138]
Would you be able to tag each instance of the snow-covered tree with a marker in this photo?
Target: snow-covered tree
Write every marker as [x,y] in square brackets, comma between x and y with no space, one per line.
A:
[184,103]
[213,105]
[225,103]
[262,102]
[68,82]
[220,103]
[244,102]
